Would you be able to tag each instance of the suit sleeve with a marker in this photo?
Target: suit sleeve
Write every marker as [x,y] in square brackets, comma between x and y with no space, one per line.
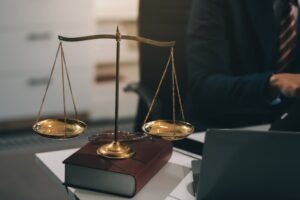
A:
[213,86]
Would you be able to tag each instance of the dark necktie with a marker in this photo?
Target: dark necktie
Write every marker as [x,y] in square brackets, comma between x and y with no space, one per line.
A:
[287,37]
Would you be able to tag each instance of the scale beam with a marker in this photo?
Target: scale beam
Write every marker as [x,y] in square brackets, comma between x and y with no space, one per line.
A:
[123,37]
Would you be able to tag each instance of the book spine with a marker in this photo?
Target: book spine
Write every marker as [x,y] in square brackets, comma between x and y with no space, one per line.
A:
[153,167]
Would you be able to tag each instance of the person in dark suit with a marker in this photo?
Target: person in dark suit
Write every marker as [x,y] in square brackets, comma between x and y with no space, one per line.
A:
[243,61]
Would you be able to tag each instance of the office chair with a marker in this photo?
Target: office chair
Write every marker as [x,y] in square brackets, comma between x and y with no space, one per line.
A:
[165,21]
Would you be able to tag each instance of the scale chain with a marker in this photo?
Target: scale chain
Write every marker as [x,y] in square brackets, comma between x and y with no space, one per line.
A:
[51,74]
[63,87]
[177,87]
[69,82]
[63,67]
[173,90]
[157,91]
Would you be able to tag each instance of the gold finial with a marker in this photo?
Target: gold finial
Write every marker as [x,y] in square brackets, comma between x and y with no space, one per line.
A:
[118,35]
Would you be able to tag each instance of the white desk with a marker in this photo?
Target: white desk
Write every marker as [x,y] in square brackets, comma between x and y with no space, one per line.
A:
[172,182]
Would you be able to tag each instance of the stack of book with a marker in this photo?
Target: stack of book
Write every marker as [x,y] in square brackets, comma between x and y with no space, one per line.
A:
[85,169]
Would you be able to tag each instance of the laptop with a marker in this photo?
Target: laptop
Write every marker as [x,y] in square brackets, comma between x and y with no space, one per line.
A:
[240,164]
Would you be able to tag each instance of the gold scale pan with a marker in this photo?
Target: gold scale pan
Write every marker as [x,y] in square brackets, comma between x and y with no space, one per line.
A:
[68,128]
[60,128]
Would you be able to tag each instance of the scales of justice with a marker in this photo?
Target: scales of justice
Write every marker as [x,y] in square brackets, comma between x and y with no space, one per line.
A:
[63,128]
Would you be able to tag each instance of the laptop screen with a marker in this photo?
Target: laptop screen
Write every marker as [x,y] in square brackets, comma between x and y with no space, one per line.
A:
[240,164]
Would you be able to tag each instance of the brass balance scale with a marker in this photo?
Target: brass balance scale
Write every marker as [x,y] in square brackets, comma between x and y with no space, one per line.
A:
[65,127]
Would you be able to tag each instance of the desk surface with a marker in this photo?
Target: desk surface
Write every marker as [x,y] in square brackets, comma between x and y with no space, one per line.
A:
[172,182]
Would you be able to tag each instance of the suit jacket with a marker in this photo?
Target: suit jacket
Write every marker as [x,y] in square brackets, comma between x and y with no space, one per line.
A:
[232,51]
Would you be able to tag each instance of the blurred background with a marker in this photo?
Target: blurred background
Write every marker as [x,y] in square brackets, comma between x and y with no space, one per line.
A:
[28,43]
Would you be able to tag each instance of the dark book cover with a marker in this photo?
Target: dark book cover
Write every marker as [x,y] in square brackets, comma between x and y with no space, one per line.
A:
[85,169]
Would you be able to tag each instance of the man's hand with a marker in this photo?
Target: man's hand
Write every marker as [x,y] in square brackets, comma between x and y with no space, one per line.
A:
[287,84]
